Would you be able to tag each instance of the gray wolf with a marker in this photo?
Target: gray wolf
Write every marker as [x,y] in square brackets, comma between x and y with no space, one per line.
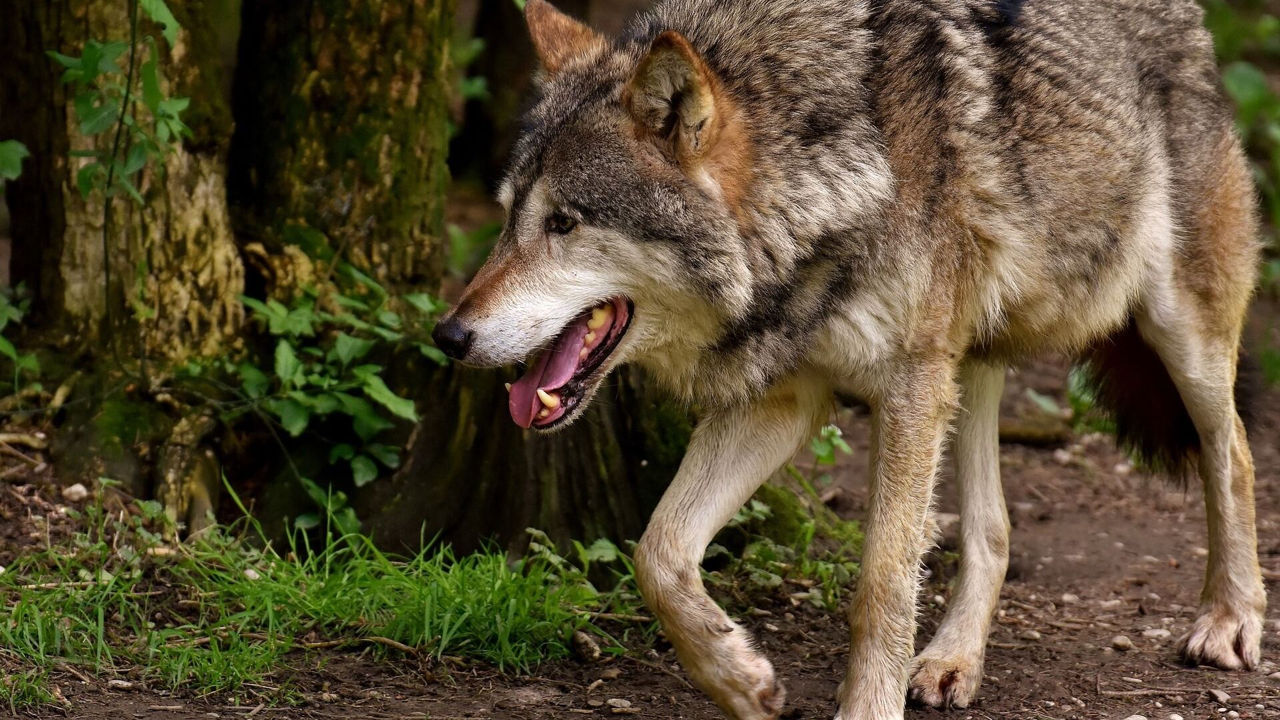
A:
[764,203]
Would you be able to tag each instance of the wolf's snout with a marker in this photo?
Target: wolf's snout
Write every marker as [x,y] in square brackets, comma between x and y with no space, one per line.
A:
[452,337]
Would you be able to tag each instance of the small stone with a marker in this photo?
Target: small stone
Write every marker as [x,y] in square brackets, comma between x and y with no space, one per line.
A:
[119,684]
[1233,715]
[1121,642]
[1111,604]
[1150,559]
[328,697]
[1062,456]
[1175,716]
[618,703]
[1200,552]
[252,574]
[939,601]
[75,493]
[595,703]
[1274,676]
[1070,598]
[611,674]
[1219,696]
[1157,633]
[771,627]
[1136,717]
[1031,635]
[585,646]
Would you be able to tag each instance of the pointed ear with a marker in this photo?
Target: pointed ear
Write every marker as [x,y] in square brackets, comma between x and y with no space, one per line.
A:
[675,98]
[557,38]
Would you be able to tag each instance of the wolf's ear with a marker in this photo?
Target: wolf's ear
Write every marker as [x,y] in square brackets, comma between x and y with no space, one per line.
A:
[557,38]
[675,98]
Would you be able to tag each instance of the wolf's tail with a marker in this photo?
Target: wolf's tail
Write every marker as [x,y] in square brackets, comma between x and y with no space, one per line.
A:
[1132,385]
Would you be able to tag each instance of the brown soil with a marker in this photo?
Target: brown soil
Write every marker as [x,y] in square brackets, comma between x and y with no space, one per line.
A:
[1085,525]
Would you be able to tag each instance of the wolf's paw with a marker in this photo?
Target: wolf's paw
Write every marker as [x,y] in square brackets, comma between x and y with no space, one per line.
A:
[944,682]
[1226,638]
[740,680]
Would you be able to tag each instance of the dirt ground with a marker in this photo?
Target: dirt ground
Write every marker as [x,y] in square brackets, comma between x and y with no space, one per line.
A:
[1098,551]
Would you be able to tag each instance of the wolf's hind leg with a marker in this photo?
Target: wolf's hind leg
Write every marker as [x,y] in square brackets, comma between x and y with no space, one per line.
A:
[731,453]
[1201,360]
[947,673]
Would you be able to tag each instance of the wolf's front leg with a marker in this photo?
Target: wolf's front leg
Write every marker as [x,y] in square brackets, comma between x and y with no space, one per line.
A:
[908,428]
[732,452]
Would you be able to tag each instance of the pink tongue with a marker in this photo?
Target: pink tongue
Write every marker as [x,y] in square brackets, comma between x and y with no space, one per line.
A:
[550,371]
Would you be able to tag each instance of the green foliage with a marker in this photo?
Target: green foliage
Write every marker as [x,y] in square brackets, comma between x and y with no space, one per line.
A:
[328,363]
[220,614]
[14,304]
[125,102]
[468,249]
[26,691]
[12,153]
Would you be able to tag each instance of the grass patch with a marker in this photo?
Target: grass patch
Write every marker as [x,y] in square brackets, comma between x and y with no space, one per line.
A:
[223,612]
[27,690]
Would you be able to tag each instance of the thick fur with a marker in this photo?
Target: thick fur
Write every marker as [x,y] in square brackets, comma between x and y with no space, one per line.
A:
[893,199]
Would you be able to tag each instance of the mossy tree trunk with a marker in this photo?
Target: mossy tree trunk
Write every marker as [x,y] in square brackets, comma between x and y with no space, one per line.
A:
[175,272]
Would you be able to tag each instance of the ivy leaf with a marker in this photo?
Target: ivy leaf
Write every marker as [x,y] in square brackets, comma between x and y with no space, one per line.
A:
[342,451]
[378,392]
[158,11]
[363,471]
[287,363]
[12,153]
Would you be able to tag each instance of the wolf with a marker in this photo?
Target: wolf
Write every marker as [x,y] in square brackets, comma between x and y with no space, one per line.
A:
[767,203]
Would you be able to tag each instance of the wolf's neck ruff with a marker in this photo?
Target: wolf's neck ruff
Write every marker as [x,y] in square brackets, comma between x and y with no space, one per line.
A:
[548,389]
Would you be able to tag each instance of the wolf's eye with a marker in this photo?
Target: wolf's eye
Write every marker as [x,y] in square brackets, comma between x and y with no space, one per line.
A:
[560,224]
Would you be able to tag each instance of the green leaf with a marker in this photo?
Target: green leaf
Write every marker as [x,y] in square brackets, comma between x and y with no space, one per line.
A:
[12,153]
[601,550]
[424,303]
[306,521]
[173,106]
[341,451]
[1044,402]
[65,61]
[151,95]
[365,418]
[348,348]
[136,160]
[158,11]
[87,179]
[384,454]
[7,349]
[363,471]
[128,187]
[99,118]
[378,391]
[293,416]
[433,353]
[287,364]
[254,381]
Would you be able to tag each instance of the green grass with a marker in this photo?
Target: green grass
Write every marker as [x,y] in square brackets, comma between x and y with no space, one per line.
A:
[26,691]
[223,612]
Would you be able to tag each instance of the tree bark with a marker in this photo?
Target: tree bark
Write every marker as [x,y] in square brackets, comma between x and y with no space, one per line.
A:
[175,271]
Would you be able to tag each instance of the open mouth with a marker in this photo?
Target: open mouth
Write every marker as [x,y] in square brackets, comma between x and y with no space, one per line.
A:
[559,378]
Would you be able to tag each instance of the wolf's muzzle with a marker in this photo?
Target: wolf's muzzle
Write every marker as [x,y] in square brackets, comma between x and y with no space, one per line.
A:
[452,337]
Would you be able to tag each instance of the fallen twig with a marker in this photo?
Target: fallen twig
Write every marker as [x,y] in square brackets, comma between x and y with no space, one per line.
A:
[31,440]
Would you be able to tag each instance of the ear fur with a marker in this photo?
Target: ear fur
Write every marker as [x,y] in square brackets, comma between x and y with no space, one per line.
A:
[557,38]
[675,98]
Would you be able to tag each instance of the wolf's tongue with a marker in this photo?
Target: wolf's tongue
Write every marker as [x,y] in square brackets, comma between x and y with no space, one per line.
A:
[550,371]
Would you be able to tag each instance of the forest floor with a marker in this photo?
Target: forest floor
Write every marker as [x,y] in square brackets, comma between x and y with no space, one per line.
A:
[1098,551]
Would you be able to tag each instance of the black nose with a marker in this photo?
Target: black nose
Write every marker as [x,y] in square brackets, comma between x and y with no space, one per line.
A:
[452,338]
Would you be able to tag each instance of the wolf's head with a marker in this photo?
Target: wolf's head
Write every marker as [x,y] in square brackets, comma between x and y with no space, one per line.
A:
[621,239]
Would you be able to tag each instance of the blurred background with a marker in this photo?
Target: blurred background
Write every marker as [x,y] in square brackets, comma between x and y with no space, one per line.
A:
[230,225]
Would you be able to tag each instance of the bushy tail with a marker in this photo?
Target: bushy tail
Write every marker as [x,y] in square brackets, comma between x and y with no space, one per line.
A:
[1131,384]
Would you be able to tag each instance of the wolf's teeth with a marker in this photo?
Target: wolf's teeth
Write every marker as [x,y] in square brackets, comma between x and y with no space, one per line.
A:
[544,414]
[551,402]
[599,317]
[590,338]
[583,353]
[508,386]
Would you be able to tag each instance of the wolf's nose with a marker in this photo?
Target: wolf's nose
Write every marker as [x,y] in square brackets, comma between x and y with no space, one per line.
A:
[452,338]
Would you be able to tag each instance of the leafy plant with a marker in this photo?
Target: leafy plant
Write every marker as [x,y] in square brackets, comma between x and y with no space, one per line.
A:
[107,98]
[14,304]
[12,153]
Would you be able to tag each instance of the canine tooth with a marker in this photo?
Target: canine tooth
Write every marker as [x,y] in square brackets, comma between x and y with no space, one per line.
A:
[583,353]
[590,338]
[550,401]
[544,414]
[599,317]
[508,386]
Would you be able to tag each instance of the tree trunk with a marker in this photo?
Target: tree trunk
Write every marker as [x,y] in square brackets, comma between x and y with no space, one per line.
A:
[175,271]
